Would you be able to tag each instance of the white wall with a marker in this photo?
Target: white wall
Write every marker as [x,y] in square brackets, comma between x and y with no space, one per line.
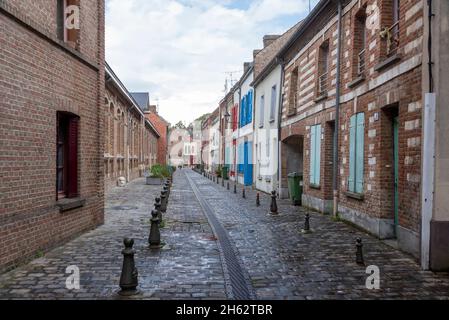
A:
[266,163]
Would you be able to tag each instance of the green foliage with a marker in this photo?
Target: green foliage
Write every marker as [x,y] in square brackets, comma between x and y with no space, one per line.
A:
[161,171]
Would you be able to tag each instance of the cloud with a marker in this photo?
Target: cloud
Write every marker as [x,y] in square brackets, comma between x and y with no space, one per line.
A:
[180,50]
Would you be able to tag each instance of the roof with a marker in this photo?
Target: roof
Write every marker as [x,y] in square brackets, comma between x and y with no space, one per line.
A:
[266,59]
[142,99]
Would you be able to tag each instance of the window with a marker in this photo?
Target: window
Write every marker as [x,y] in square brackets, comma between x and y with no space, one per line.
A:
[68,32]
[315,154]
[356,153]
[267,148]
[234,118]
[293,95]
[67,155]
[240,158]
[262,111]
[273,103]
[360,42]
[390,27]
[246,111]
[323,66]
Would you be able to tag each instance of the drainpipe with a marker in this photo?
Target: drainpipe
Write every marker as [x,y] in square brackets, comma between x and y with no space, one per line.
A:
[335,180]
[281,101]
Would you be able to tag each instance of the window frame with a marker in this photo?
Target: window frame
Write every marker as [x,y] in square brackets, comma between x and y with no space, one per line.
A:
[315,155]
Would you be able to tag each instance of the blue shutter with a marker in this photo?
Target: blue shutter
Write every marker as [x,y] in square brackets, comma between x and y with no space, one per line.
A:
[312,154]
[317,154]
[360,135]
[250,106]
[352,153]
[242,112]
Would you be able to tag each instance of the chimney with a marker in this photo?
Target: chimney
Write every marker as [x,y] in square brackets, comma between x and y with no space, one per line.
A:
[153,109]
[255,52]
[269,39]
[246,66]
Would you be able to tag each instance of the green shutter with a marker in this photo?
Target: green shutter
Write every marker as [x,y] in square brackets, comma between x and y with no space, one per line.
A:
[312,154]
[352,153]
[360,152]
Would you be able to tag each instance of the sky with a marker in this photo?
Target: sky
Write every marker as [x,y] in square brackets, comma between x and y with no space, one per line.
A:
[181,51]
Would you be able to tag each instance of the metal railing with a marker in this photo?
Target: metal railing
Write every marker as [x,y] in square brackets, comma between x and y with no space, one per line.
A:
[391,35]
[361,63]
[322,83]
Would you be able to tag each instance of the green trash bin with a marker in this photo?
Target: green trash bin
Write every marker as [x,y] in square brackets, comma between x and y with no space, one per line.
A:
[295,188]
[224,172]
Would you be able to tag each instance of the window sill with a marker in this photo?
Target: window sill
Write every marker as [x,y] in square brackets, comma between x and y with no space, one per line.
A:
[314,186]
[70,204]
[272,120]
[357,196]
[320,97]
[387,62]
[356,81]
[291,113]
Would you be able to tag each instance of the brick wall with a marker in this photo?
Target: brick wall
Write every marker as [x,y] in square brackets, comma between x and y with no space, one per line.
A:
[162,127]
[40,76]
[386,90]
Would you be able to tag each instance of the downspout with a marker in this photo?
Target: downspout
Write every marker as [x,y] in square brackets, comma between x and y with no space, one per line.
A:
[337,117]
[281,101]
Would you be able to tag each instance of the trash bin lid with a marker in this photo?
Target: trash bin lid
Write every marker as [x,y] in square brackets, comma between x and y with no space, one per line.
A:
[294,175]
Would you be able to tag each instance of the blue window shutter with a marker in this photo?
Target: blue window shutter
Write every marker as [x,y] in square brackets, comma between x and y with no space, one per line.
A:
[317,154]
[312,154]
[250,106]
[242,112]
[352,153]
[359,152]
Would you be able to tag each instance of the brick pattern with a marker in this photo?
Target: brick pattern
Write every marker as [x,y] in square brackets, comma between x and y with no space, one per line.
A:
[130,143]
[41,76]
[383,94]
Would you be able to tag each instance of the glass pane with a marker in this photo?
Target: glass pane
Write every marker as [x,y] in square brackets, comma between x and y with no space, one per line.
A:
[60,180]
[60,156]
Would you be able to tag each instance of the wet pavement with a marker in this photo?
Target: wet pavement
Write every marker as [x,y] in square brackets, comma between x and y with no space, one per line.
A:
[221,246]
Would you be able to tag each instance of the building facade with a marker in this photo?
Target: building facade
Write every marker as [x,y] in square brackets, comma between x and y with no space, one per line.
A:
[267,83]
[51,120]
[245,140]
[130,139]
[360,87]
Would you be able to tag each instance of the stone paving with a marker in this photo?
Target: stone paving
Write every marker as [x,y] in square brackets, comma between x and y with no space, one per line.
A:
[280,261]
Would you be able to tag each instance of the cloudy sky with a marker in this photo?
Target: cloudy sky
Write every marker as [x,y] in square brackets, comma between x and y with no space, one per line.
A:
[181,50]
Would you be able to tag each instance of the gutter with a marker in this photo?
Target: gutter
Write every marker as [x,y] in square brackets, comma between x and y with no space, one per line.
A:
[335,180]
[281,101]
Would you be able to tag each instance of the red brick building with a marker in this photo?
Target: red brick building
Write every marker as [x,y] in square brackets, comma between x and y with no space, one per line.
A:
[161,126]
[130,139]
[376,173]
[51,128]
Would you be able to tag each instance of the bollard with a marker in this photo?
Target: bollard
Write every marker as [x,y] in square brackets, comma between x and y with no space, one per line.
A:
[307,223]
[129,277]
[163,202]
[157,207]
[359,252]
[227,187]
[273,206]
[222,182]
[258,199]
[155,236]
[235,188]
[243,193]
[167,191]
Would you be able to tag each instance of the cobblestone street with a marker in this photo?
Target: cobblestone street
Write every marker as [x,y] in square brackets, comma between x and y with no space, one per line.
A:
[218,246]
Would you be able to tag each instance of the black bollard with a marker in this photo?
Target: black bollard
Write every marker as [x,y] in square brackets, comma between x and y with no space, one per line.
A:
[163,202]
[307,223]
[273,206]
[258,199]
[243,193]
[157,207]
[129,277]
[227,186]
[235,188]
[155,236]
[167,191]
[222,182]
[359,252]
